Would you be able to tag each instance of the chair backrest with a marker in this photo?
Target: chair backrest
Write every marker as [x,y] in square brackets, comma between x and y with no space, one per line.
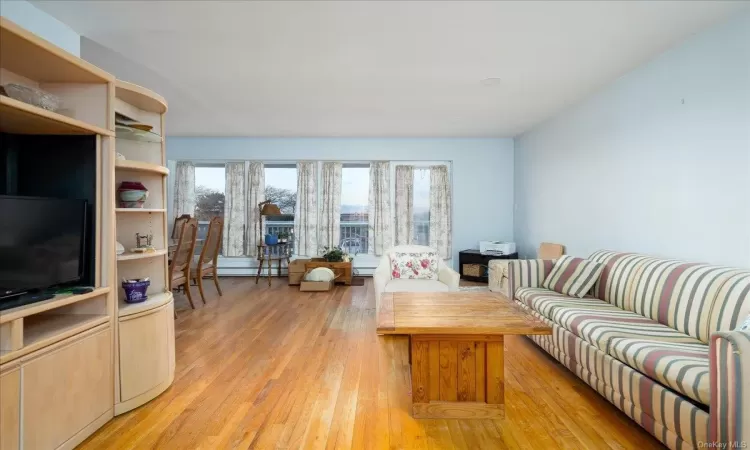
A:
[697,299]
[183,255]
[548,250]
[178,222]
[210,251]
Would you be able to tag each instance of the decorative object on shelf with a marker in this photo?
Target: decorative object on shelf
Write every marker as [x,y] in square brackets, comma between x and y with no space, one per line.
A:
[271,239]
[33,96]
[267,208]
[133,194]
[125,121]
[135,290]
[120,249]
[496,248]
[143,243]
[120,157]
[283,237]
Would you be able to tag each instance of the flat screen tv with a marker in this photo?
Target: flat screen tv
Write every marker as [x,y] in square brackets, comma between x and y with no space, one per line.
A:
[41,243]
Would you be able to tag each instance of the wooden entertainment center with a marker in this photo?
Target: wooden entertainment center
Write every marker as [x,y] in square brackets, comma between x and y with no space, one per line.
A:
[71,363]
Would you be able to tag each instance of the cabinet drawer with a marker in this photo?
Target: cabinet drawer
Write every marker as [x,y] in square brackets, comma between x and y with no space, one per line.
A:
[10,409]
[145,356]
[67,389]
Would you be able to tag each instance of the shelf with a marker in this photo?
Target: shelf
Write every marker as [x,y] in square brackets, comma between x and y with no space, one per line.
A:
[140,166]
[134,134]
[140,97]
[129,256]
[152,302]
[140,210]
[30,56]
[59,300]
[46,329]
[22,118]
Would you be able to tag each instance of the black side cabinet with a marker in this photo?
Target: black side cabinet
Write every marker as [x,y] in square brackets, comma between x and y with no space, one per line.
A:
[472,265]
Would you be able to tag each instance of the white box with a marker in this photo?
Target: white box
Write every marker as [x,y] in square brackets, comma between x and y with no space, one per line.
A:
[496,248]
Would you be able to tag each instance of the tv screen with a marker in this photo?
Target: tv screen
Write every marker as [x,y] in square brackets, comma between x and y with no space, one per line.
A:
[41,243]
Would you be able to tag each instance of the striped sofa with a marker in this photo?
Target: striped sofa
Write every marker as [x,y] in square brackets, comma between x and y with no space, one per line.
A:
[657,338]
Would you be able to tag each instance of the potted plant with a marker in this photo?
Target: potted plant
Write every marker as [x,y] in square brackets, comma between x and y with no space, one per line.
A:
[283,237]
[333,254]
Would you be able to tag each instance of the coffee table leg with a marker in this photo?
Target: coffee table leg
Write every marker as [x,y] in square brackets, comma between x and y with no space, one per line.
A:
[457,377]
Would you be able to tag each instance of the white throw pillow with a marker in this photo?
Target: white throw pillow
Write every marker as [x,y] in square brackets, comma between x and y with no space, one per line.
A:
[320,274]
[414,265]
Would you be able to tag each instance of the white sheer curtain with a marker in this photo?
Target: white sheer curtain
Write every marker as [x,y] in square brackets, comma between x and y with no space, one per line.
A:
[306,210]
[255,187]
[330,210]
[379,216]
[404,205]
[440,211]
[184,189]
[234,210]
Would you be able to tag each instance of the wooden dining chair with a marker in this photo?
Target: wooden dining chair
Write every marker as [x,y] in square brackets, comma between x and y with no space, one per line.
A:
[179,267]
[207,262]
[178,222]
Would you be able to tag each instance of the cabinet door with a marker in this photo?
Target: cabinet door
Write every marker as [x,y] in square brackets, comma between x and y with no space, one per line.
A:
[10,409]
[144,351]
[67,389]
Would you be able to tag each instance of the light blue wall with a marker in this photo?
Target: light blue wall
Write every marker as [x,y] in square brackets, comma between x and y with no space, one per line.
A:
[482,170]
[42,24]
[658,162]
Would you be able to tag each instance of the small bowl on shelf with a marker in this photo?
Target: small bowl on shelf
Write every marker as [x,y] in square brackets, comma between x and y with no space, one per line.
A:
[135,290]
[133,194]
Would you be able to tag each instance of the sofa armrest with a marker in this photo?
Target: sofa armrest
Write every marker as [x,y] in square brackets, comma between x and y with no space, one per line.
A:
[527,273]
[730,387]
[448,276]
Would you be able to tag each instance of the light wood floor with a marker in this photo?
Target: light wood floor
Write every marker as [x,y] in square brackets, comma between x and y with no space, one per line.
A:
[277,368]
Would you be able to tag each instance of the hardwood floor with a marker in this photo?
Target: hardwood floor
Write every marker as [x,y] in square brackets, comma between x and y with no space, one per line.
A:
[272,367]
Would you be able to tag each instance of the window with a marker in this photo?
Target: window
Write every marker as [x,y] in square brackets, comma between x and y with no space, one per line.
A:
[281,189]
[209,192]
[355,189]
[210,184]
[421,211]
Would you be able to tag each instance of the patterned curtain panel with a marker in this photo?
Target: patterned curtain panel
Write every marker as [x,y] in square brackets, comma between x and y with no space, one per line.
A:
[255,185]
[184,189]
[440,211]
[234,210]
[330,211]
[306,210]
[404,204]
[379,217]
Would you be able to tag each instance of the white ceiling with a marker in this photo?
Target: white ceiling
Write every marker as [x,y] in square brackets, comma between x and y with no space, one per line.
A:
[315,68]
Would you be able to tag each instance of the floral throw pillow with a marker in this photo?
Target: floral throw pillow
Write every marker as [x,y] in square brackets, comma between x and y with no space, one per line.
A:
[414,266]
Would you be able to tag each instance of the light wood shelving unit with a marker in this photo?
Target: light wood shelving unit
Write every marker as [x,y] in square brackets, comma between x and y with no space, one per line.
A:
[57,355]
[145,355]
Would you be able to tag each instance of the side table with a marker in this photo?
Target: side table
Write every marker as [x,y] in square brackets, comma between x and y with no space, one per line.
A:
[270,253]
[469,259]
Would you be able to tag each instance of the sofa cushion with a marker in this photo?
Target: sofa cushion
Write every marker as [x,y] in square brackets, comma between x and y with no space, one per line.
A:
[404,285]
[696,299]
[681,366]
[573,276]
[596,321]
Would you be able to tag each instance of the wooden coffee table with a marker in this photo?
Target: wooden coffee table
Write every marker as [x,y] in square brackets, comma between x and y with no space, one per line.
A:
[456,349]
